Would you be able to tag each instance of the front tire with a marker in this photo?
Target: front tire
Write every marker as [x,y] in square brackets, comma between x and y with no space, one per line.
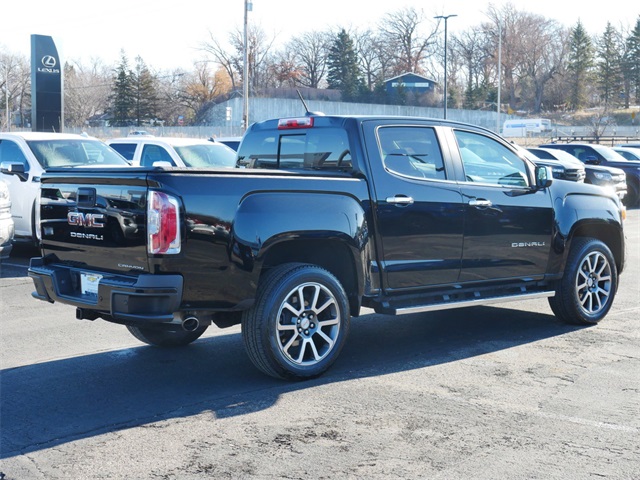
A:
[298,324]
[586,292]
[631,199]
[165,337]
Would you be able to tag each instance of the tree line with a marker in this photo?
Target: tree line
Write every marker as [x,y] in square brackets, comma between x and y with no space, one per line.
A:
[544,66]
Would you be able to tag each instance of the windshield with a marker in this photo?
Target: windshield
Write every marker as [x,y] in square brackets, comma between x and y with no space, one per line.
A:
[609,154]
[207,155]
[74,152]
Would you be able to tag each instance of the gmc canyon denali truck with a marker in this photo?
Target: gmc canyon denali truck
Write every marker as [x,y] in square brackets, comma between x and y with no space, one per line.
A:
[321,216]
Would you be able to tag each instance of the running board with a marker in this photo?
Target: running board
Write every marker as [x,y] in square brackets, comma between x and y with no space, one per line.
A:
[467,303]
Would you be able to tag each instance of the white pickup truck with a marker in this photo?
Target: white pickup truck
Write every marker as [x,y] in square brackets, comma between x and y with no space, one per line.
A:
[24,157]
[148,151]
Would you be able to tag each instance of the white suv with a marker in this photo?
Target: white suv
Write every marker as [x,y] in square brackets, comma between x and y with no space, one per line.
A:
[24,157]
[176,152]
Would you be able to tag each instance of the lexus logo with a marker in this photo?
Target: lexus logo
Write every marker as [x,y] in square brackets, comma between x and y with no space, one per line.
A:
[49,61]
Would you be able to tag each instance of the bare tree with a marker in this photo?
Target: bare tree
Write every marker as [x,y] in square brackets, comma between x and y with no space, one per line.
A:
[285,71]
[86,91]
[533,47]
[174,97]
[15,84]
[404,41]
[547,54]
[259,53]
[225,58]
[310,54]
[373,65]
[470,48]
[231,58]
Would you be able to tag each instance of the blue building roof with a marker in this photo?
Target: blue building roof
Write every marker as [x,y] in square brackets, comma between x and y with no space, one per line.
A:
[410,82]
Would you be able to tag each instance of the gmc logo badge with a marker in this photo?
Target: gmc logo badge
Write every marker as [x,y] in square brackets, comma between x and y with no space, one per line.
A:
[93,220]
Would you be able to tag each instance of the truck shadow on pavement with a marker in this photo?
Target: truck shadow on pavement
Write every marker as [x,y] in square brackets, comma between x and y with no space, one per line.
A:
[53,403]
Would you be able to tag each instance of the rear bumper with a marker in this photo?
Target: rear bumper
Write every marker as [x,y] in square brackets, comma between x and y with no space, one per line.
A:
[141,298]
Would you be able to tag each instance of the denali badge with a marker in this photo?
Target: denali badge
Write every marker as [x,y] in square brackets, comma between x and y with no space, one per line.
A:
[93,220]
[527,244]
[88,236]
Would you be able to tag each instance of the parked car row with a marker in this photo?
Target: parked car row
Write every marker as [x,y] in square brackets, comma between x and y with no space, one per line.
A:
[600,155]
[25,156]
[630,153]
[613,179]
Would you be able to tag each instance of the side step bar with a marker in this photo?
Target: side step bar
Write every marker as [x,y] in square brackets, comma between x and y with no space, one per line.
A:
[466,303]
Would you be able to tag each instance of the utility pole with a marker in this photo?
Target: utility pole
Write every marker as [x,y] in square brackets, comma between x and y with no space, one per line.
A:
[445,17]
[248,6]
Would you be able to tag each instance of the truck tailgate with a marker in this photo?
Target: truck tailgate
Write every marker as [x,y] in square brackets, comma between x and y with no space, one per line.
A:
[96,219]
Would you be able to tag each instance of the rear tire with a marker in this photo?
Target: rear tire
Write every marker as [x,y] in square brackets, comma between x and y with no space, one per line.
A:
[299,322]
[165,337]
[585,293]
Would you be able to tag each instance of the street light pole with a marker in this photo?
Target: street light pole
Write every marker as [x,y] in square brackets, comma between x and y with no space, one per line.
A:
[445,17]
[499,74]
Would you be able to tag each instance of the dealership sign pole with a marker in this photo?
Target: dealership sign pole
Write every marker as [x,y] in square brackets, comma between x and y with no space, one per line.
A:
[46,86]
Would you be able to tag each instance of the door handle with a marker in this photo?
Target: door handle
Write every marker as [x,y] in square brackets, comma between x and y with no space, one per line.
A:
[480,202]
[400,200]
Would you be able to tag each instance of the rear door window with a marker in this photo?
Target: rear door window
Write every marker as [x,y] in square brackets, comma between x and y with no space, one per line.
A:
[127,150]
[154,153]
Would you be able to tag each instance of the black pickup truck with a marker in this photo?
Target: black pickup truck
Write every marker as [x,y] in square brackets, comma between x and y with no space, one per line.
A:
[321,216]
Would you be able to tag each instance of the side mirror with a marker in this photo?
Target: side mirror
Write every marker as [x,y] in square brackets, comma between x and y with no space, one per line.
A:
[162,164]
[10,168]
[544,176]
[592,160]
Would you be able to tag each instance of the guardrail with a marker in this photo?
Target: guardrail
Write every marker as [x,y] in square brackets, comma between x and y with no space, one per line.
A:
[609,140]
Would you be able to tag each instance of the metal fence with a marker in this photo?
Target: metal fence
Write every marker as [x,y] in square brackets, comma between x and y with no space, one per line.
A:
[225,123]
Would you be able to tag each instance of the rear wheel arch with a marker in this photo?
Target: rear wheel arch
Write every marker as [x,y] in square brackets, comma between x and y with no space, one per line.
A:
[335,256]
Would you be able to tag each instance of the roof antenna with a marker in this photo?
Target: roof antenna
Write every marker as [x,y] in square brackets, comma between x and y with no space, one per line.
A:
[307,112]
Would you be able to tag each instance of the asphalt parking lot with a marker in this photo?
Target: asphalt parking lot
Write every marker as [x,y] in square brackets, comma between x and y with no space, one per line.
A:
[484,393]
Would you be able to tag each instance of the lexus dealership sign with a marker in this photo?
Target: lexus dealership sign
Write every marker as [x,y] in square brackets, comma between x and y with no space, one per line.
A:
[46,86]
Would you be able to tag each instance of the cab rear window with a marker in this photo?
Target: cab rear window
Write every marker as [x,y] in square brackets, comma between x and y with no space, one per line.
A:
[308,149]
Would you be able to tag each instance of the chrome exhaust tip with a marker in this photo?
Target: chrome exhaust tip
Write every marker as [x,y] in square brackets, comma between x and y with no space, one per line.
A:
[190,324]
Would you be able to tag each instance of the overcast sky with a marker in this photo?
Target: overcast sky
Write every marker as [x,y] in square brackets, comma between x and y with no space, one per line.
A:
[169,34]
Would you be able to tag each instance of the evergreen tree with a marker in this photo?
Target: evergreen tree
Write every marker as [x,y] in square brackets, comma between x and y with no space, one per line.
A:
[122,98]
[609,66]
[581,61]
[145,97]
[631,66]
[342,67]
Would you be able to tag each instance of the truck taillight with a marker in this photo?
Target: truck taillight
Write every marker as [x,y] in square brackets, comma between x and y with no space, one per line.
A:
[300,122]
[163,223]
